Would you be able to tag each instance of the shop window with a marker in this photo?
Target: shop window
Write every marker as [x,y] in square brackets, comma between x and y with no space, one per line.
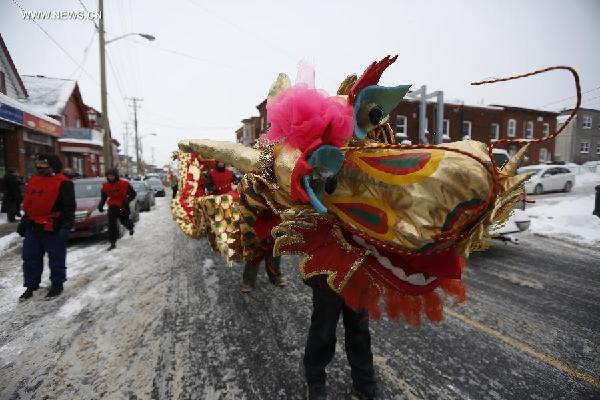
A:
[401,126]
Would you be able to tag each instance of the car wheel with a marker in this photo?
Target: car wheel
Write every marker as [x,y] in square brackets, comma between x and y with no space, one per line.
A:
[568,187]
[539,189]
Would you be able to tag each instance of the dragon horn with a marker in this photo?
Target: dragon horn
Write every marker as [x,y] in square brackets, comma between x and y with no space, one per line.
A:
[513,164]
[282,83]
[235,154]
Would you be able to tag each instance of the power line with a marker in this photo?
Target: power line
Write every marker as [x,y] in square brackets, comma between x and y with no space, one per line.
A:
[55,42]
[88,11]
[570,97]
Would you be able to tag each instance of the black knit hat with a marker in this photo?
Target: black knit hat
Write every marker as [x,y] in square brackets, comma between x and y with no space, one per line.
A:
[52,160]
[112,171]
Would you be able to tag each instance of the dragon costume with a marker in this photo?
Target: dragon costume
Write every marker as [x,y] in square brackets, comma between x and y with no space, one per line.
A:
[386,224]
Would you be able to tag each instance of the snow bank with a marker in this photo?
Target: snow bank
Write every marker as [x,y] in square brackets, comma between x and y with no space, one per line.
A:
[587,179]
[8,241]
[571,219]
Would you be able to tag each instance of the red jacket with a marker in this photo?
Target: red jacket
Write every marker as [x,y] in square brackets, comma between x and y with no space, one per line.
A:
[116,192]
[41,193]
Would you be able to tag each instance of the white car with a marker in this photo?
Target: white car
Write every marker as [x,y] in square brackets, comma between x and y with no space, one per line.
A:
[547,178]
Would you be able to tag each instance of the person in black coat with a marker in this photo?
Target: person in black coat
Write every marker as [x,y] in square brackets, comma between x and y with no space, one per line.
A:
[49,205]
[11,202]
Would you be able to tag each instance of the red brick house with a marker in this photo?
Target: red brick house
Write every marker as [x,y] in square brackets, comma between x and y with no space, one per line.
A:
[81,145]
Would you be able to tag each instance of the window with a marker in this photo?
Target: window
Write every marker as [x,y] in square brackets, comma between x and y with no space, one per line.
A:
[401,126]
[446,129]
[584,147]
[512,127]
[598,148]
[77,122]
[543,155]
[546,130]
[2,82]
[466,130]
[586,123]
[495,132]
[528,129]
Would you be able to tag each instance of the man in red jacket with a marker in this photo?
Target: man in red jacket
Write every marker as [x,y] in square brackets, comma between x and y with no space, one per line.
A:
[49,205]
[219,180]
[119,193]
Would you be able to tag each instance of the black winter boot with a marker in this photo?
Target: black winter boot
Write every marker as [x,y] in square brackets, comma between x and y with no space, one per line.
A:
[28,293]
[55,290]
[111,247]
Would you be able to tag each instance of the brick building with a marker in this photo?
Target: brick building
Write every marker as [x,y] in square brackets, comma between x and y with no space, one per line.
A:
[82,142]
[481,123]
[24,129]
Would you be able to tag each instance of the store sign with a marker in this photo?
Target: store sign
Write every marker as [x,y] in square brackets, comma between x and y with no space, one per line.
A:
[11,114]
[36,137]
[40,125]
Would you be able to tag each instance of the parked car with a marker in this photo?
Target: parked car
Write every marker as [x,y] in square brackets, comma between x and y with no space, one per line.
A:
[157,186]
[88,220]
[546,178]
[145,195]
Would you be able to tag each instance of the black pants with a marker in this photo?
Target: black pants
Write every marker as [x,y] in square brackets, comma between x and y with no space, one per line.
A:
[116,214]
[12,210]
[320,345]
[35,245]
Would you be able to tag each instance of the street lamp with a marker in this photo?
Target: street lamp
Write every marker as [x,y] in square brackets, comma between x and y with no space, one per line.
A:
[103,93]
[138,151]
[144,35]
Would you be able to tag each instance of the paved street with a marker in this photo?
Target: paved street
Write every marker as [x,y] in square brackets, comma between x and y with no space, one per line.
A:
[162,317]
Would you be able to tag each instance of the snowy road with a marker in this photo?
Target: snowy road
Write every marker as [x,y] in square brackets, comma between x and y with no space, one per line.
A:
[162,317]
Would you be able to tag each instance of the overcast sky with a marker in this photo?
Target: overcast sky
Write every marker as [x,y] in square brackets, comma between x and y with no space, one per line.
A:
[213,62]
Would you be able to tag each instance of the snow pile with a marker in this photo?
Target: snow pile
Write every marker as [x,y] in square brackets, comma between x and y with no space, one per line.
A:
[8,241]
[572,219]
[588,179]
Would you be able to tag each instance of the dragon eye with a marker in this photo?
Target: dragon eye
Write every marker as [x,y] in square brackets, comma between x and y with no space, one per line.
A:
[375,114]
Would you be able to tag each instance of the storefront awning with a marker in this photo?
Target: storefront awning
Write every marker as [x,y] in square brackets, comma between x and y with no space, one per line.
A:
[14,111]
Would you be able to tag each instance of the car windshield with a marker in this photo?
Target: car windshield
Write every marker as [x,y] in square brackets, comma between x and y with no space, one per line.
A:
[139,186]
[500,159]
[529,170]
[154,182]
[86,190]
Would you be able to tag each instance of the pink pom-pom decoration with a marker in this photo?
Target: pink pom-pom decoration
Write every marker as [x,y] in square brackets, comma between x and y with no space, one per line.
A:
[300,115]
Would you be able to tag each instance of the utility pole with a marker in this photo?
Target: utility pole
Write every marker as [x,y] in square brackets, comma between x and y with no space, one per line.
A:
[138,159]
[126,146]
[422,95]
[103,93]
